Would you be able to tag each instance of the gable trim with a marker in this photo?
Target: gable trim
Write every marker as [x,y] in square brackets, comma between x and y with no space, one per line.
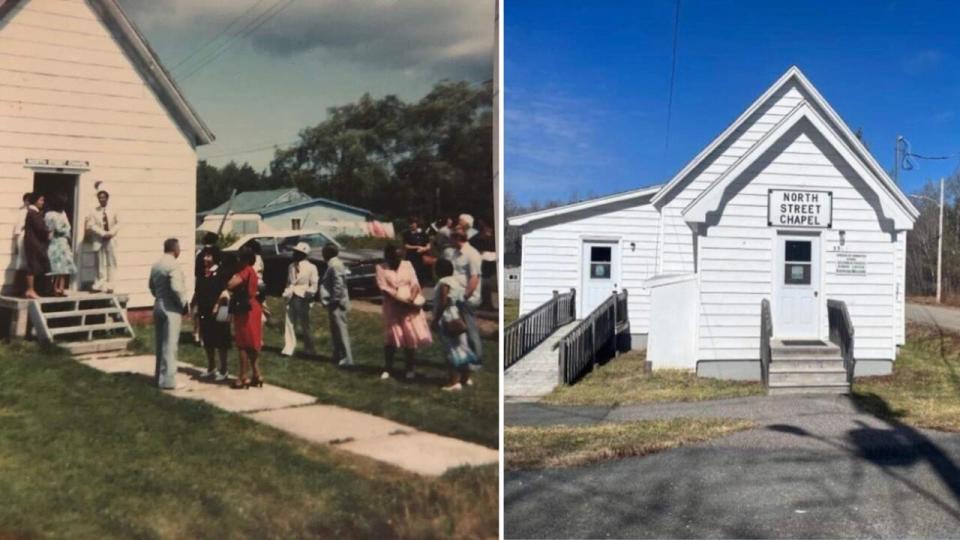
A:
[696,161]
[150,67]
[710,198]
[849,140]
[583,205]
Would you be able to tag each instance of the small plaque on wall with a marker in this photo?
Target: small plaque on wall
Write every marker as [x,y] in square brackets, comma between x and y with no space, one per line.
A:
[851,264]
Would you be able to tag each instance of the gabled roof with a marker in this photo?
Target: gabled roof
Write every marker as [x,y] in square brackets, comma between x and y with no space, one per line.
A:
[148,65]
[710,199]
[316,201]
[275,201]
[583,205]
[849,140]
[252,202]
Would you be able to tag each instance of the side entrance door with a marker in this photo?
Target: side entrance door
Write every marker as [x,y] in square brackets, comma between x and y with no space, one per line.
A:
[796,287]
[600,274]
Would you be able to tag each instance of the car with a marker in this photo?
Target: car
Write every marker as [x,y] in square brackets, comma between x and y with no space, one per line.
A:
[276,249]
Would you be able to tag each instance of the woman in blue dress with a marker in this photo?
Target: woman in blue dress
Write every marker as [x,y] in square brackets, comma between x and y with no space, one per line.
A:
[60,252]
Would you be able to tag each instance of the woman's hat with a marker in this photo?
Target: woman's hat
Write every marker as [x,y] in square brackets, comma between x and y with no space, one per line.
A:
[302,247]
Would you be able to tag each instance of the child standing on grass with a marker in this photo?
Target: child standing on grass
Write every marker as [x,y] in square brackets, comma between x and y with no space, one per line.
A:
[451,327]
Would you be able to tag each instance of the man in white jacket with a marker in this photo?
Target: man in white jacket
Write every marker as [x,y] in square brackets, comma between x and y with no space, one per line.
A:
[302,282]
[102,228]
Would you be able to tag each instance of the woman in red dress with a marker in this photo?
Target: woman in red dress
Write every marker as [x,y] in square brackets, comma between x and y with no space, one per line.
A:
[247,312]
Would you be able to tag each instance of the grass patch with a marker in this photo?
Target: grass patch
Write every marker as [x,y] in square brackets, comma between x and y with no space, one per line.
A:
[571,446]
[623,381]
[924,389]
[511,310]
[85,454]
[470,415]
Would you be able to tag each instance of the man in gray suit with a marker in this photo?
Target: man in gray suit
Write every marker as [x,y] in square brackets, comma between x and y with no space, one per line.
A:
[169,291]
[334,297]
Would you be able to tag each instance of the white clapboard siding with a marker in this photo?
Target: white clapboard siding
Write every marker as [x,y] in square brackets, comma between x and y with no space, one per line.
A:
[552,257]
[744,236]
[677,237]
[69,92]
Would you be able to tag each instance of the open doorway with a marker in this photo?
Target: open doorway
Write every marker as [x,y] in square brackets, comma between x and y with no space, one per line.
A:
[53,185]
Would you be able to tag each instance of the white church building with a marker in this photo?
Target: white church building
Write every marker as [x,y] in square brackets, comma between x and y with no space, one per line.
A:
[83,98]
[785,205]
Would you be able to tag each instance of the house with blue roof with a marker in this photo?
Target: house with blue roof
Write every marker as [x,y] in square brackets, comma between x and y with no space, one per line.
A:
[253,212]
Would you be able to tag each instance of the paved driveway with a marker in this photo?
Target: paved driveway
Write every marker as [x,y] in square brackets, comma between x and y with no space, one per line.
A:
[944,317]
[815,467]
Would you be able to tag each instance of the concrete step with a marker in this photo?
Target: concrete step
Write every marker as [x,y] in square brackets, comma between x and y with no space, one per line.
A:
[781,389]
[98,348]
[808,378]
[804,352]
[806,364]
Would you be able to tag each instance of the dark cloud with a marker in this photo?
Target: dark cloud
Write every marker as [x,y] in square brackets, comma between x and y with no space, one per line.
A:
[454,39]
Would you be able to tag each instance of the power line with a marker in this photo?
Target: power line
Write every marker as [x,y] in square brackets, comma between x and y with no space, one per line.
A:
[220,34]
[251,150]
[673,72]
[250,28]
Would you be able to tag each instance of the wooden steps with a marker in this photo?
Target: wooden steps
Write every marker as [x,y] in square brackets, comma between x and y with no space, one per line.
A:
[83,323]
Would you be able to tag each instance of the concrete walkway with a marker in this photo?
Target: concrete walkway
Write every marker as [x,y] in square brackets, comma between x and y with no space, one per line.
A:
[944,317]
[300,415]
[815,467]
[536,374]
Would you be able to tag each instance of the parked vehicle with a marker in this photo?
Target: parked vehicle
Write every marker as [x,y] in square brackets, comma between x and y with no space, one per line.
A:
[276,248]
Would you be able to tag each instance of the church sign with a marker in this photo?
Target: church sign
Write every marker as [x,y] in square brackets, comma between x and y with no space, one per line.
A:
[799,208]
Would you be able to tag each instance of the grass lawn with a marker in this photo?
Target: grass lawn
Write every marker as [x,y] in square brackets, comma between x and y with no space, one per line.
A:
[622,381]
[924,389]
[470,415]
[85,454]
[511,310]
[570,446]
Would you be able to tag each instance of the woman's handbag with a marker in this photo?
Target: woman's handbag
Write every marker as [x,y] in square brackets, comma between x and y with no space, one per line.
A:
[240,300]
[454,327]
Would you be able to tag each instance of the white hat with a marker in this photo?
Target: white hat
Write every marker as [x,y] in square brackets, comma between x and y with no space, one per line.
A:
[467,218]
[302,247]
[101,186]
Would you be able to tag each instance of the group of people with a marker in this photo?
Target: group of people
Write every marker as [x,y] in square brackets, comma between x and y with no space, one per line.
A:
[458,268]
[226,294]
[424,246]
[45,262]
[229,290]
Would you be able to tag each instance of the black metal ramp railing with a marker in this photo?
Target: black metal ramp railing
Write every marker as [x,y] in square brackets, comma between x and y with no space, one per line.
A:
[581,348]
[841,334]
[525,333]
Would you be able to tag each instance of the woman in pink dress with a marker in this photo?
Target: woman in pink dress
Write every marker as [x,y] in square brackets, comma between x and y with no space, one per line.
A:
[404,323]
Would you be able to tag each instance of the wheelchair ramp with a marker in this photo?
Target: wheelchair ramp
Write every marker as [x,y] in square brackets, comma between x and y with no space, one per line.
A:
[538,372]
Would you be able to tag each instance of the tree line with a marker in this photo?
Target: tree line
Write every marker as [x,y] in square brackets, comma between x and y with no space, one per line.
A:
[429,158]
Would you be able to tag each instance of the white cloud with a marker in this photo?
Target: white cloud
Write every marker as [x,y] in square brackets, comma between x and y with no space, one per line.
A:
[922,61]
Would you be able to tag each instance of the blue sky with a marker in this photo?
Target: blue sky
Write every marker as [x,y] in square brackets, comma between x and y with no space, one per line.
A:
[261,88]
[586,84]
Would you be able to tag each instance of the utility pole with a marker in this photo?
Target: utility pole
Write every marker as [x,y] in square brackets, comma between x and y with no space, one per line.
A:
[896,160]
[940,244]
[939,238]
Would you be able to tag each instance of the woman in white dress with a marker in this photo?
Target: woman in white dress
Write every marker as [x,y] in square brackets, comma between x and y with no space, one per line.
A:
[59,251]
